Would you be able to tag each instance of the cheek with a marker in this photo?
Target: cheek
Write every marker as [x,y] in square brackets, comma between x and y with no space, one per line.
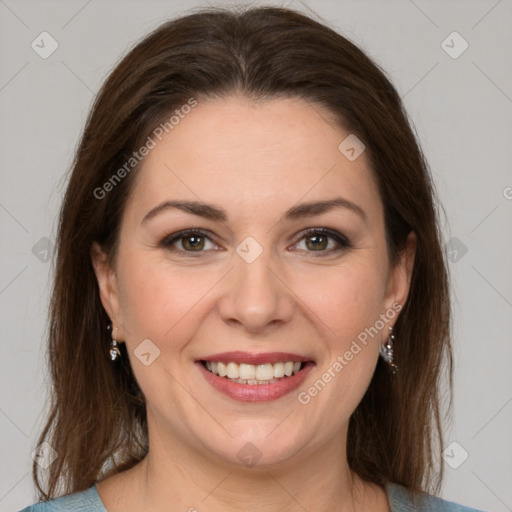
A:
[163,305]
[345,299]
[348,304]
[158,301]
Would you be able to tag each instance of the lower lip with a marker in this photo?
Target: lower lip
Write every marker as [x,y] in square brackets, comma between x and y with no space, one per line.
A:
[256,392]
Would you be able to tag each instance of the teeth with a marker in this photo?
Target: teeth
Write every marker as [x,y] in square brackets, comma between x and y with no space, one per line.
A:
[264,372]
[254,374]
[247,371]
[278,370]
[222,369]
[233,371]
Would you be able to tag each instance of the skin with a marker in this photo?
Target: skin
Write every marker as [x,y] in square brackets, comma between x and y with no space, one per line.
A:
[255,161]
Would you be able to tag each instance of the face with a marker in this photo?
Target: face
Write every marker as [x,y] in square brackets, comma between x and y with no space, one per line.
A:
[262,279]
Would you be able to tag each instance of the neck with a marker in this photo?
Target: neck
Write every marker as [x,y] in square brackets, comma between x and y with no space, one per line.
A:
[319,480]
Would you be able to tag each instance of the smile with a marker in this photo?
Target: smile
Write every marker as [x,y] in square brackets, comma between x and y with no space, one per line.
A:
[251,374]
[250,377]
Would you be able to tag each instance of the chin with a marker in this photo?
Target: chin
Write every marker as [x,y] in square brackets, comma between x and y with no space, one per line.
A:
[260,446]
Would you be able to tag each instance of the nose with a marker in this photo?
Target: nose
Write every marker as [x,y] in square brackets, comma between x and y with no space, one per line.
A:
[256,297]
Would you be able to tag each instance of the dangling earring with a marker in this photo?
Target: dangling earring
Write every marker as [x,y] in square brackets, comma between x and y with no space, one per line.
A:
[114,349]
[386,351]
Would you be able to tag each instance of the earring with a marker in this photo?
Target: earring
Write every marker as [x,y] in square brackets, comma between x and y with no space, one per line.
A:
[114,349]
[386,351]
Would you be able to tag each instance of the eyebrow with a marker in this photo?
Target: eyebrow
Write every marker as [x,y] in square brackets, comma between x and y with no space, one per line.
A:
[212,212]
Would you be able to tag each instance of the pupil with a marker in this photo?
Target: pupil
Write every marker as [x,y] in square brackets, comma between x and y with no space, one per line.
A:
[318,244]
[192,242]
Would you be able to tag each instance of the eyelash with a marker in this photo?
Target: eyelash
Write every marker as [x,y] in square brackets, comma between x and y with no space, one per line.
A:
[342,241]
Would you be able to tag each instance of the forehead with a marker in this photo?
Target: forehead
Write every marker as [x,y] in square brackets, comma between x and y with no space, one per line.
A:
[253,157]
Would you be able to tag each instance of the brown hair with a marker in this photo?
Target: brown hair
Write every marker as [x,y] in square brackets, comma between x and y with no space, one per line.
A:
[97,421]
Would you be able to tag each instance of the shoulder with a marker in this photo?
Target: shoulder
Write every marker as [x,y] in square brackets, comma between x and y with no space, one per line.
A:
[83,501]
[402,500]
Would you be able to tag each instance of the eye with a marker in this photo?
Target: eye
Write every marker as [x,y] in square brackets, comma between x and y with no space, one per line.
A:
[189,240]
[323,240]
[319,240]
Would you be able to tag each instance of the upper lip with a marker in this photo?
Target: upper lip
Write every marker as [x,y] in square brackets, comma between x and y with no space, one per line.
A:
[255,358]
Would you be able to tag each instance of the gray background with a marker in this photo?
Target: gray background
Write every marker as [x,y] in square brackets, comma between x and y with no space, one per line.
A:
[461,108]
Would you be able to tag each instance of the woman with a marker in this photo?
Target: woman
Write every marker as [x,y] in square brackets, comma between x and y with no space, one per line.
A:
[249,223]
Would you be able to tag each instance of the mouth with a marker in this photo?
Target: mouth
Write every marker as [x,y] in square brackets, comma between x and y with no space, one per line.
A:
[251,374]
[255,377]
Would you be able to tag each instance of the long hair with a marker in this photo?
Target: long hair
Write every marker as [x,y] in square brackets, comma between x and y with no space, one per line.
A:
[97,419]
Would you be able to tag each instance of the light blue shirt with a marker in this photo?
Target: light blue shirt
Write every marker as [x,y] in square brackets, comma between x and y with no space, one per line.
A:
[400,500]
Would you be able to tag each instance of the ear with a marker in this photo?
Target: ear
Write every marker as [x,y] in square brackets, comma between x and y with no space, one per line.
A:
[109,290]
[399,281]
